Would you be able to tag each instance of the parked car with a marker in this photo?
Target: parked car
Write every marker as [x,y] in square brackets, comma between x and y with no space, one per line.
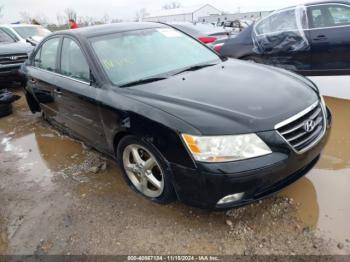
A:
[26,33]
[181,122]
[12,56]
[313,39]
[207,33]
[237,25]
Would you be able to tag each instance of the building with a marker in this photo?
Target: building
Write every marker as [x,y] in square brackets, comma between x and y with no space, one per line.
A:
[187,14]
[253,16]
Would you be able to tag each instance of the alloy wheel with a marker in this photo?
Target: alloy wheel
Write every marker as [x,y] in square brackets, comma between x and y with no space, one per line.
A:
[143,170]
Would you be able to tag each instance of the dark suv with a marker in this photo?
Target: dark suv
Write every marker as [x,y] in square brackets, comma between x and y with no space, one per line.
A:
[12,56]
[312,39]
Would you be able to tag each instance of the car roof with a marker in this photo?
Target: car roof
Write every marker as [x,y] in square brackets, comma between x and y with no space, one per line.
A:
[328,2]
[98,30]
[347,2]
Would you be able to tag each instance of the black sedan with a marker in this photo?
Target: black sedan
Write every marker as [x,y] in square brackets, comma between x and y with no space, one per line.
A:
[313,39]
[181,122]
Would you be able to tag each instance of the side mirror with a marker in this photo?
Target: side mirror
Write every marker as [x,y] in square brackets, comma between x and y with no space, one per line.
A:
[31,41]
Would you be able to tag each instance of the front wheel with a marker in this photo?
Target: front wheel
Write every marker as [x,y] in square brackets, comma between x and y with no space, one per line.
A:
[145,170]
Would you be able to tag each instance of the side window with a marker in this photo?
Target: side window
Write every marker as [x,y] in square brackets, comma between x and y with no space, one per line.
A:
[316,17]
[329,15]
[281,21]
[340,14]
[37,58]
[73,62]
[46,57]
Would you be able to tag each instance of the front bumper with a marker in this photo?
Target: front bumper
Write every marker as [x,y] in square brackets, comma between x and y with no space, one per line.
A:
[10,73]
[257,178]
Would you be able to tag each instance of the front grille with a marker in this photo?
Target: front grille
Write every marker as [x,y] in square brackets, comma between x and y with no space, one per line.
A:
[305,129]
[13,59]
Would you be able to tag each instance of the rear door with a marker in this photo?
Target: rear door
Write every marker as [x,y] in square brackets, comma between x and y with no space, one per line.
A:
[281,40]
[330,36]
[77,95]
[42,77]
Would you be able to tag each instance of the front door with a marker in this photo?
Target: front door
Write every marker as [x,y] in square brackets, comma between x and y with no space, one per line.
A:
[76,95]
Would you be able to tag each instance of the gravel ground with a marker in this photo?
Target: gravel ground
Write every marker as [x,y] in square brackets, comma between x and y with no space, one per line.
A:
[59,197]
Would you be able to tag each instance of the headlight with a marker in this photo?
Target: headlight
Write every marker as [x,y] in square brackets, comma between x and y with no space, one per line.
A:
[225,148]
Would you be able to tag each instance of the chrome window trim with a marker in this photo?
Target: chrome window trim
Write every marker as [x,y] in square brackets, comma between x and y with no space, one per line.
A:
[329,27]
[63,76]
[299,115]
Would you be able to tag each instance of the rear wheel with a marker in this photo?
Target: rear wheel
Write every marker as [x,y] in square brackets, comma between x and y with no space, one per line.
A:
[145,170]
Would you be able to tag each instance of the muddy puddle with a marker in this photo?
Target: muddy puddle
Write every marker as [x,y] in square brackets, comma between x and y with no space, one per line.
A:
[93,197]
[3,236]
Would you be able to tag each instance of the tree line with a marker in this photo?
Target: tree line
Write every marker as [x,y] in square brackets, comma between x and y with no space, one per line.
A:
[83,21]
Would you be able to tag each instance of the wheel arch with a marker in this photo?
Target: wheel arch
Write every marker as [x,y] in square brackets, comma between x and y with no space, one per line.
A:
[118,137]
[166,140]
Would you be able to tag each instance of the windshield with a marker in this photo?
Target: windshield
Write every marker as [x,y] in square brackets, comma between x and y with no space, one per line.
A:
[5,38]
[31,31]
[136,55]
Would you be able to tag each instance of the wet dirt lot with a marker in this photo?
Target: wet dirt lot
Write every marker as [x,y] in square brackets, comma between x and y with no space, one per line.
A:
[59,197]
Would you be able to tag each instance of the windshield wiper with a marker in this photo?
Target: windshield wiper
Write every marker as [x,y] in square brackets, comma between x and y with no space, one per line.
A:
[194,68]
[143,81]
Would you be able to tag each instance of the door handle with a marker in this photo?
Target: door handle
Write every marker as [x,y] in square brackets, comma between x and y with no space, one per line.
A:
[57,91]
[320,37]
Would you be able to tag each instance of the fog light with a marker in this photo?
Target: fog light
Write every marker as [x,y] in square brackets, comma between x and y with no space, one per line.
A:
[231,198]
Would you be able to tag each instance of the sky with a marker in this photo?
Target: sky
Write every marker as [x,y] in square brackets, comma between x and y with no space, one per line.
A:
[124,9]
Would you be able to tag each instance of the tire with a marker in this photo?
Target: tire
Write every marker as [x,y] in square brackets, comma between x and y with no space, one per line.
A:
[8,97]
[153,183]
[5,110]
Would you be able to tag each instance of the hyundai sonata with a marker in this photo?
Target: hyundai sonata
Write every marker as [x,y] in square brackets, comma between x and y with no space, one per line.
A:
[182,122]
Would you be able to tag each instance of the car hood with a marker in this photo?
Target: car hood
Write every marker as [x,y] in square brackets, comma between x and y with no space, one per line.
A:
[230,98]
[15,48]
